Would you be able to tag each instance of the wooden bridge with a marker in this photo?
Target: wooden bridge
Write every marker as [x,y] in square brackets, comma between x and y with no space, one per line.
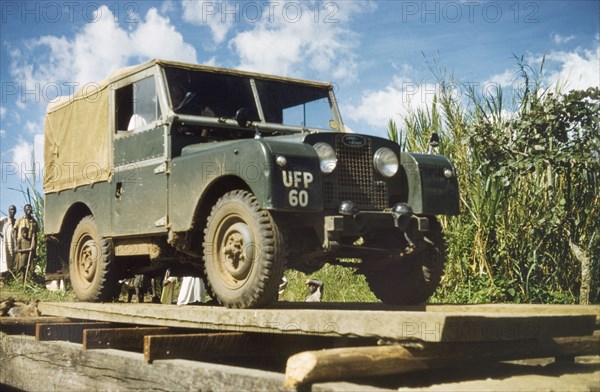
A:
[286,346]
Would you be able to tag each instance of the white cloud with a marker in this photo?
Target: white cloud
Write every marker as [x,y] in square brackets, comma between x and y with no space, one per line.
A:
[2,133]
[395,101]
[211,62]
[295,41]
[92,54]
[32,127]
[98,49]
[559,39]
[168,6]
[9,118]
[578,69]
[401,96]
[283,52]
[28,159]
[505,79]
[213,14]
[156,37]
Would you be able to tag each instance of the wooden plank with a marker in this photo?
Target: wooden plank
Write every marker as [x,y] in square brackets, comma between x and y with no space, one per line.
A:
[70,332]
[26,325]
[131,339]
[203,346]
[200,346]
[317,320]
[564,310]
[517,308]
[63,366]
[280,345]
[344,363]
[505,308]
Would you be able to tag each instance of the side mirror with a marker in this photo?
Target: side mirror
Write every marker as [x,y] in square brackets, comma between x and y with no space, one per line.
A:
[242,116]
[434,140]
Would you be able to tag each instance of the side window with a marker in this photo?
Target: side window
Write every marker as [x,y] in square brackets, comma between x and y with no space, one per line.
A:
[137,105]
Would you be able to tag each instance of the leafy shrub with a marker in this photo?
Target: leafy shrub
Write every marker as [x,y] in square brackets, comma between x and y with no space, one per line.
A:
[529,175]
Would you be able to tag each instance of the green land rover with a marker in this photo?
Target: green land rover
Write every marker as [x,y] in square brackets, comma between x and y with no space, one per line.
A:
[234,177]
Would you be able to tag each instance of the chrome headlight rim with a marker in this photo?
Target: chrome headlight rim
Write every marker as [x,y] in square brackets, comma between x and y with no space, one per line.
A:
[386,162]
[327,157]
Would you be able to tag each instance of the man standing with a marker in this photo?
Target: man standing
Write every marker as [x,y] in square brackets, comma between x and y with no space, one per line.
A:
[27,230]
[7,241]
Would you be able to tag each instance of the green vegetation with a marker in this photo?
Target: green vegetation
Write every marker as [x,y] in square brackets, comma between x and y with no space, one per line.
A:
[32,291]
[528,168]
[340,285]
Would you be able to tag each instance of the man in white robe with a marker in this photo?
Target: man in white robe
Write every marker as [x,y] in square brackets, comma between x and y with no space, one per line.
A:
[192,291]
[8,241]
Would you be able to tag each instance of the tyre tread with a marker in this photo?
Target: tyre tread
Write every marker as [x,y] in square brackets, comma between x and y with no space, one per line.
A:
[267,283]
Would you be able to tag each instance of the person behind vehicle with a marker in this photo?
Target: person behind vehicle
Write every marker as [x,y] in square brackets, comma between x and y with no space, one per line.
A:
[8,241]
[137,285]
[137,123]
[168,287]
[184,99]
[192,291]
[145,110]
[315,290]
[27,229]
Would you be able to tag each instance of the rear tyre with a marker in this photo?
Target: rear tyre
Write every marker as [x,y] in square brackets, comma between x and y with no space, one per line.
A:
[413,278]
[91,264]
[244,256]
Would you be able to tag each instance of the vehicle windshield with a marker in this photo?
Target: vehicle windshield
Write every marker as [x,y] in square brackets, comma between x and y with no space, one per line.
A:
[210,94]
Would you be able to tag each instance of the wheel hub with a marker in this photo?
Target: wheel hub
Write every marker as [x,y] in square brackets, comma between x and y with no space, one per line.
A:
[88,260]
[237,250]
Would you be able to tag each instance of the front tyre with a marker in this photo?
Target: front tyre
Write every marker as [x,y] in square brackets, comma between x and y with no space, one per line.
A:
[413,278]
[91,263]
[244,255]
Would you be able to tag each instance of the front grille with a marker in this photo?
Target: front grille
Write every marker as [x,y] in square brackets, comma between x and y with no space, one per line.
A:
[353,179]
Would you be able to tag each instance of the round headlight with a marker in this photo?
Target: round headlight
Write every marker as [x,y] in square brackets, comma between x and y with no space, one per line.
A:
[386,162]
[327,157]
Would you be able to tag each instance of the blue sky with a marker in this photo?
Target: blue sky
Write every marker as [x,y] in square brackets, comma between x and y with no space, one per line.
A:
[377,53]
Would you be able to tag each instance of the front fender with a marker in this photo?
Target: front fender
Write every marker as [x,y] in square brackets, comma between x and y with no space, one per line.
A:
[201,165]
[295,186]
[429,191]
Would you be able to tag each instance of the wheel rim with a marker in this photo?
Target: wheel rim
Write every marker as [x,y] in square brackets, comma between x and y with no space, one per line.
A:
[235,253]
[87,260]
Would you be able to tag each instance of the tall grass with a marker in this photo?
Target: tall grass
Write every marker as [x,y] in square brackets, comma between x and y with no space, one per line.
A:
[528,166]
[340,285]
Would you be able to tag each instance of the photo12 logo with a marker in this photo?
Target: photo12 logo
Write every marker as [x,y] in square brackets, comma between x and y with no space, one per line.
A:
[260,11]
[469,11]
[67,11]
[50,92]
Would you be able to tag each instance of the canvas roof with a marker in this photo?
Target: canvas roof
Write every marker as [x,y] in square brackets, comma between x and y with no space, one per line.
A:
[77,132]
